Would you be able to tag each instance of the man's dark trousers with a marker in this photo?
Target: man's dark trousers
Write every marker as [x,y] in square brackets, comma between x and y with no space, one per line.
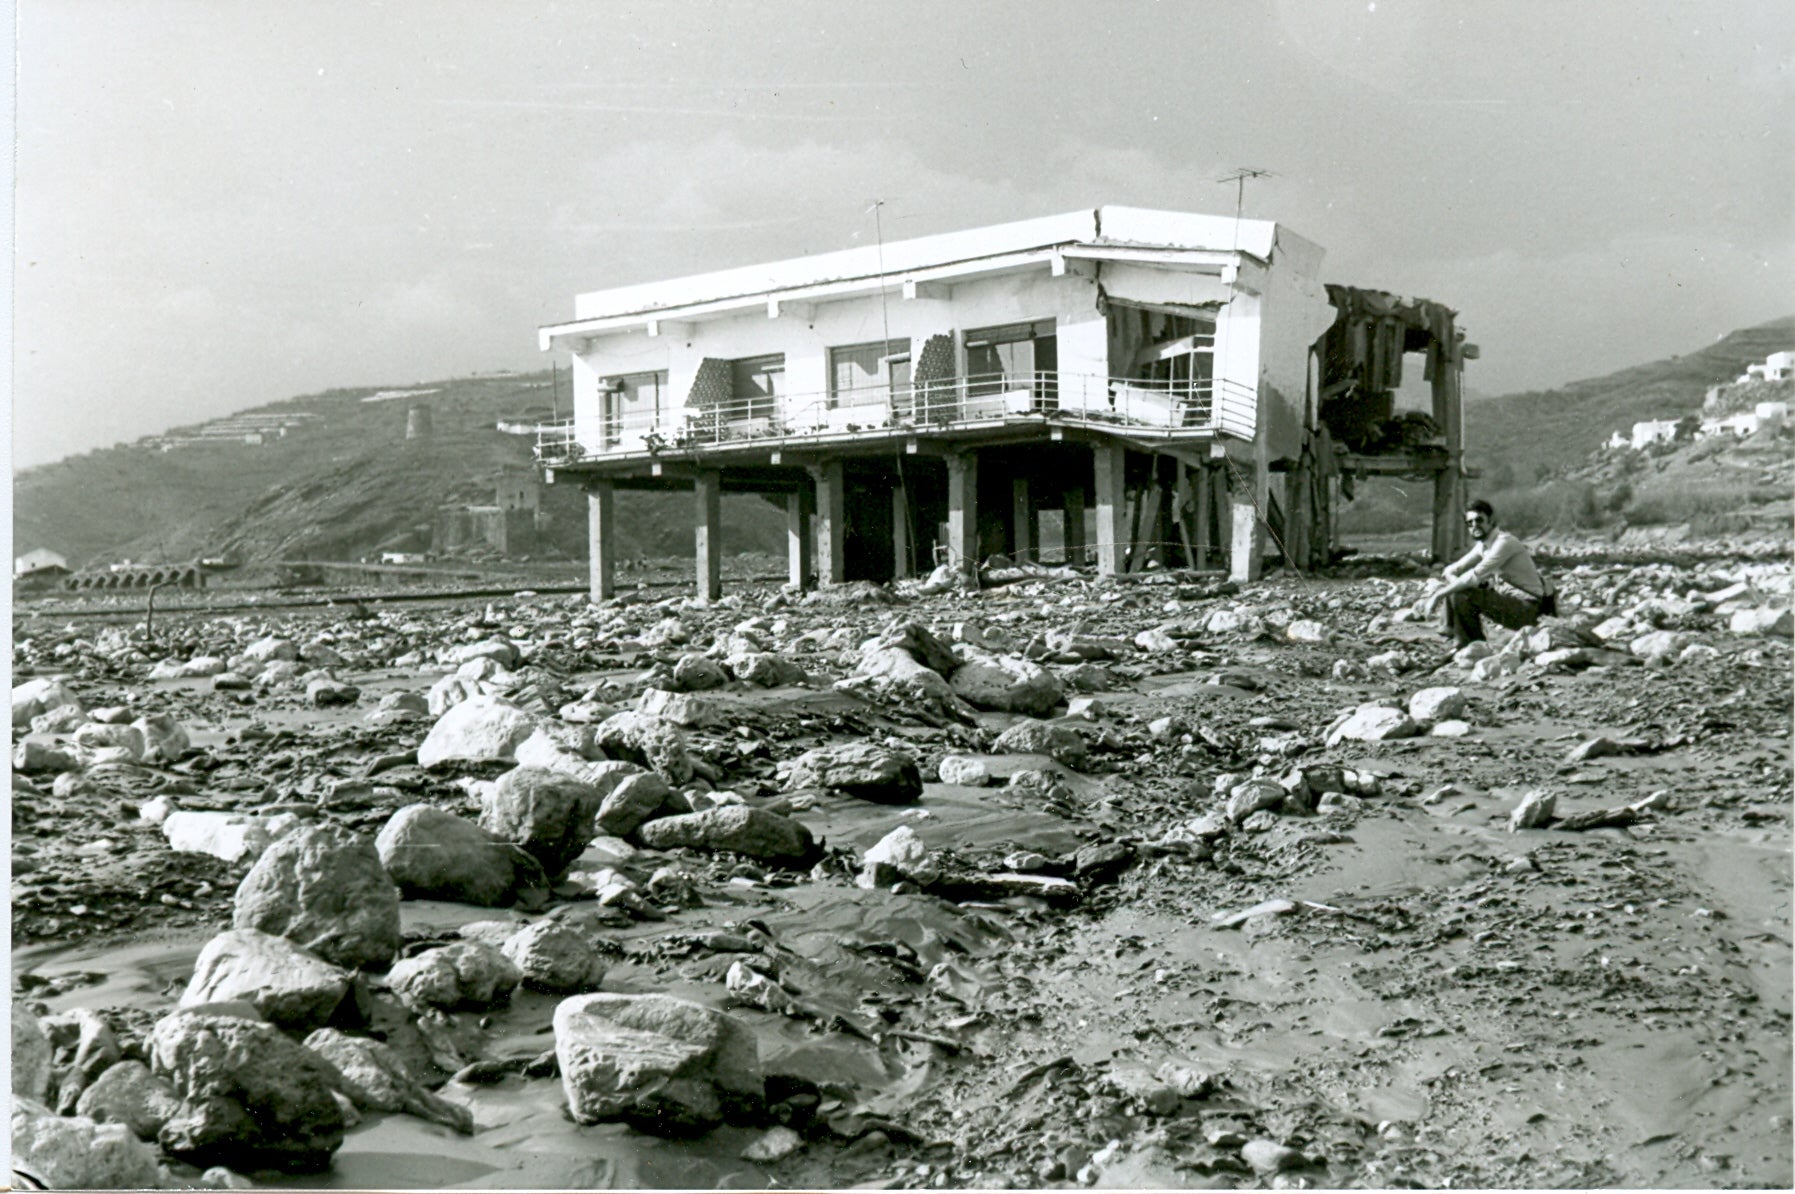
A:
[1466,608]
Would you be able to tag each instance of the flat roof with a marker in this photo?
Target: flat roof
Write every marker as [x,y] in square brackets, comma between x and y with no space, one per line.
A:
[1106,226]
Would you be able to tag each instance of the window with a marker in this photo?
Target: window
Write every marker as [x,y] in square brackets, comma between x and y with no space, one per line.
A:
[755,386]
[1015,356]
[1179,351]
[632,400]
[869,374]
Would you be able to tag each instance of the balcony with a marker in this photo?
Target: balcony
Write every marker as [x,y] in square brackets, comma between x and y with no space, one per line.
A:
[1151,409]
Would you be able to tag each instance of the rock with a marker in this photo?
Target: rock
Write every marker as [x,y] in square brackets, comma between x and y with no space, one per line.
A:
[751,988]
[1451,728]
[324,889]
[462,974]
[547,813]
[164,738]
[167,669]
[481,729]
[774,1146]
[94,1049]
[35,697]
[1489,667]
[204,665]
[64,719]
[287,985]
[1659,644]
[1101,862]
[964,770]
[680,708]
[65,1153]
[500,650]
[1061,743]
[695,673]
[434,855]
[660,1064]
[1373,723]
[271,648]
[1006,684]
[648,741]
[1255,794]
[857,769]
[325,691]
[636,799]
[250,1097]
[897,676]
[477,670]
[378,1079]
[1761,621]
[1268,1156]
[30,1054]
[1535,809]
[449,692]
[127,1093]
[556,958]
[898,854]
[922,646]
[96,736]
[1436,704]
[1305,630]
[765,670]
[737,828]
[229,836]
[1155,642]
[31,757]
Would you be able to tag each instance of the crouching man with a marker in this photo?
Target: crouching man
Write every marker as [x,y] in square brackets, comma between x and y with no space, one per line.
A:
[1496,577]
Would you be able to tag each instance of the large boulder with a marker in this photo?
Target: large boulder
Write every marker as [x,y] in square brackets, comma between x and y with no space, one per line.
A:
[648,741]
[481,729]
[435,855]
[460,974]
[323,889]
[1373,723]
[1062,744]
[555,957]
[449,692]
[660,1064]
[232,837]
[549,814]
[638,798]
[127,1093]
[165,740]
[755,832]
[695,673]
[271,649]
[75,1153]
[251,1098]
[97,736]
[35,697]
[898,676]
[30,1054]
[681,708]
[289,986]
[1006,684]
[1436,704]
[377,1079]
[858,769]
[1764,620]
[765,669]
[921,644]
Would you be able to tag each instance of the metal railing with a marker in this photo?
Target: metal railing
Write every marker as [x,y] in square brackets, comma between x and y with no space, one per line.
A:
[1161,408]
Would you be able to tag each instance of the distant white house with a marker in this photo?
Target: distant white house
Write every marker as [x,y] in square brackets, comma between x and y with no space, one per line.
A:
[1654,431]
[38,561]
[1778,366]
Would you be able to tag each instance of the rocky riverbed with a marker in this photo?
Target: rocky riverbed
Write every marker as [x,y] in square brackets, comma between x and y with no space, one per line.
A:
[1156,882]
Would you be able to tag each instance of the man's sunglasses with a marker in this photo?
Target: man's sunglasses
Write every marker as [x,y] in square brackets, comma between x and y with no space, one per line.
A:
[1472,520]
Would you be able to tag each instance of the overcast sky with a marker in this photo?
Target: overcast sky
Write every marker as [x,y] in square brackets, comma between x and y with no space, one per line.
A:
[220,205]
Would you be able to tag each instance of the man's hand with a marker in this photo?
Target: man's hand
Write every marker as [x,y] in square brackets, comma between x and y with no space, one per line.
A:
[1430,601]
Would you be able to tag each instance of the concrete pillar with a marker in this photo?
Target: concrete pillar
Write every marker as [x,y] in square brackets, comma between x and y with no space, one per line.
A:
[1110,460]
[1449,537]
[707,489]
[601,541]
[1022,510]
[831,523]
[1074,534]
[798,509]
[1246,559]
[900,533]
[963,512]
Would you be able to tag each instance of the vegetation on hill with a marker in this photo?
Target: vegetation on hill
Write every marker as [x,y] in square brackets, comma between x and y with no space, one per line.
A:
[345,484]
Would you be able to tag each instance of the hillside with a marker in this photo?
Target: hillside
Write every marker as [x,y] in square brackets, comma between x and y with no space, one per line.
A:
[1520,438]
[342,483]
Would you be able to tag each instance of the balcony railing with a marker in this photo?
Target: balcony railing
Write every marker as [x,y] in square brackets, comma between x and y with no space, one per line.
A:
[1157,408]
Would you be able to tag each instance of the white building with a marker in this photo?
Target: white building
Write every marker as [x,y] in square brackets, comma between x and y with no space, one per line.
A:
[37,560]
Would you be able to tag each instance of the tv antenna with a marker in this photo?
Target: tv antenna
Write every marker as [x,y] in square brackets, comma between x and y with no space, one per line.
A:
[884,305]
[1239,179]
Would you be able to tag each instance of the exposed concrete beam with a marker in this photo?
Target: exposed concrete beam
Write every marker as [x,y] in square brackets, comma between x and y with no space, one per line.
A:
[601,541]
[1110,461]
[708,534]
[831,522]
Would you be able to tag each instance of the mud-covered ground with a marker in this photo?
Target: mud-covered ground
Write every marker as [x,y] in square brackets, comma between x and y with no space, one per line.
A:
[1425,998]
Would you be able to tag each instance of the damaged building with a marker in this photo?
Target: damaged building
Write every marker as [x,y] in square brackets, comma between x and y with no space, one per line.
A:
[1148,388]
